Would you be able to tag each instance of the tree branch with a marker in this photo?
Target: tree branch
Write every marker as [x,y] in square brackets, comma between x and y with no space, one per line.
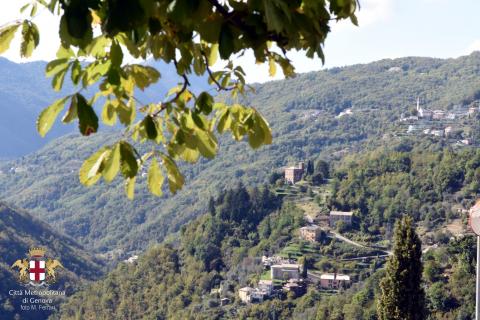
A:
[186,83]
[210,74]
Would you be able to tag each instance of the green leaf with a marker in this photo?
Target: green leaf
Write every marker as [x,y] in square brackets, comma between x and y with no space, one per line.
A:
[175,178]
[126,113]
[204,103]
[47,117]
[109,117]
[33,12]
[6,36]
[58,78]
[95,71]
[87,118]
[76,73]
[142,75]
[24,7]
[275,18]
[190,155]
[130,187]
[97,46]
[91,169]
[116,54]
[224,121]
[209,29]
[155,178]
[267,132]
[31,38]
[206,144]
[112,164]
[150,127]
[65,53]
[72,112]
[226,42]
[212,58]
[129,163]
[260,133]
[56,66]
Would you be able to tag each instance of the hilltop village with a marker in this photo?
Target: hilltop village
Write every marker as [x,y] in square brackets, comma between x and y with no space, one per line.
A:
[450,124]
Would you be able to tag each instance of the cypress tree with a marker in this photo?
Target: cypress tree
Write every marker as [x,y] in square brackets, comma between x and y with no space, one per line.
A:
[402,296]
[211,207]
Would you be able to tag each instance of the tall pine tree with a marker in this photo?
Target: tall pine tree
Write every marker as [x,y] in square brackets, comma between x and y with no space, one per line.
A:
[402,296]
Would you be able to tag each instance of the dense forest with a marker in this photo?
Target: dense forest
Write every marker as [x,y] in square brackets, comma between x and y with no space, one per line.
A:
[303,116]
[431,181]
[172,280]
[220,251]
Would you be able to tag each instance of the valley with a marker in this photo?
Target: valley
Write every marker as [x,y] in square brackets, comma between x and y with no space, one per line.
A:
[192,252]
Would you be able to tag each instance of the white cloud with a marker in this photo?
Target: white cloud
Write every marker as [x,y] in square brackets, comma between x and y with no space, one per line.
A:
[474,46]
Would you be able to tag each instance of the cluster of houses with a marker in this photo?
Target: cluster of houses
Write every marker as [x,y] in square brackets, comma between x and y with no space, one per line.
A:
[427,115]
[286,272]
[289,276]
[313,232]
[290,279]
[446,132]
[444,115]
[283,271]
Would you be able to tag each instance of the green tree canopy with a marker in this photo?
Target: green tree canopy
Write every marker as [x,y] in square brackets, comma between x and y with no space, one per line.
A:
[402,296]
[96,35]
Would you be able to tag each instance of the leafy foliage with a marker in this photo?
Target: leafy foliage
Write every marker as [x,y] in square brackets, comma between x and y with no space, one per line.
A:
[191,35]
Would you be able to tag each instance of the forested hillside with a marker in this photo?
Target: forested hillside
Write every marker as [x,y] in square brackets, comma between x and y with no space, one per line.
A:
[430,180]
[19,231]
[219,252]
[303,113]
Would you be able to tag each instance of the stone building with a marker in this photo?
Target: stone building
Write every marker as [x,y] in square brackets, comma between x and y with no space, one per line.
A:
[336,216]
[285,271]
[334,281]
[294,174]
[310,233]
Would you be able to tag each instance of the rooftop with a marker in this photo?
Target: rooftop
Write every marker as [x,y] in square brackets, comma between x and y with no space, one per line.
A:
[341,213]
[286,266]
[333,276]
[310,228]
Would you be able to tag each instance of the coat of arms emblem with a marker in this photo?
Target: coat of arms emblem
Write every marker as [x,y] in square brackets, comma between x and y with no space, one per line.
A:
[37,270]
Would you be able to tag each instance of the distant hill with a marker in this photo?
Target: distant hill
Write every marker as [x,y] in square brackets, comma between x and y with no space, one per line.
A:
[25,91]
[303,113]
[19,231]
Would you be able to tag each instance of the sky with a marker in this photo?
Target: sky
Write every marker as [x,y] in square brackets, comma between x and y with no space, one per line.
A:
[388,29]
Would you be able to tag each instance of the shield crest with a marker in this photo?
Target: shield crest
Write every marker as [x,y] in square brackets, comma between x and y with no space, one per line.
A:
[37,270]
